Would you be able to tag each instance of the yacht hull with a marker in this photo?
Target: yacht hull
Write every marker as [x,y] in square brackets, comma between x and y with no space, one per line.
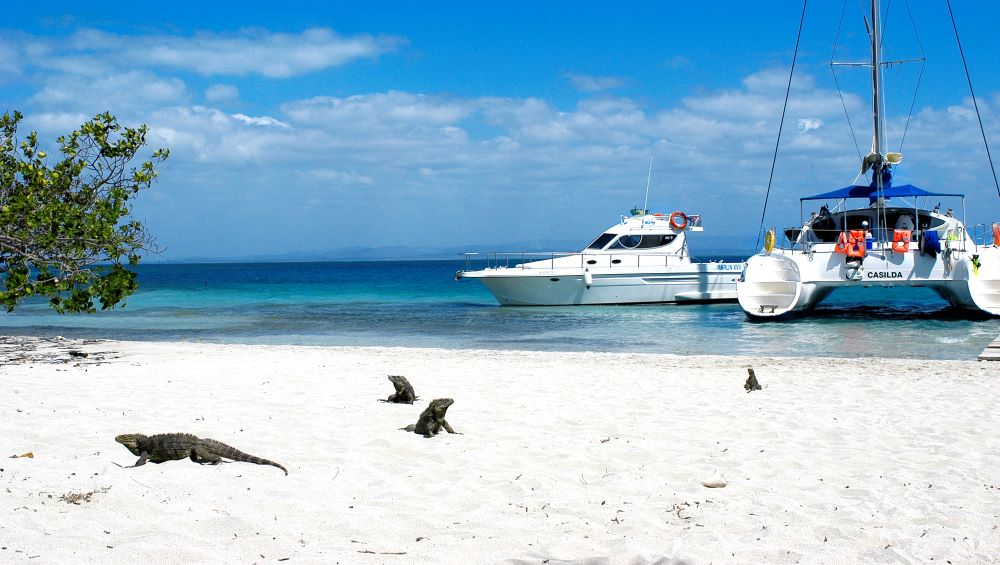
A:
[694,282]
[788,282]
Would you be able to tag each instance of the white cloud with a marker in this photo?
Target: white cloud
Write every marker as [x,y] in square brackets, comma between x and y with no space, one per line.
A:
[54,124]
[399,114]
[808,124]
[763,94]
[275,55]
[340,177]
[222,93]
[262,121]
[249,51]
[9,57]
[586,83]
[208,135]
[118,93]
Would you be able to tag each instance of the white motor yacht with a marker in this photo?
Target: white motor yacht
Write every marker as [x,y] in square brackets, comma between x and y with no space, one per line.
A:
[891,240]
[642,259]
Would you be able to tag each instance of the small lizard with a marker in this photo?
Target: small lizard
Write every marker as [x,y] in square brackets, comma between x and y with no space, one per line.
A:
[173,447]
[751,384]
[432,419]
[404,391]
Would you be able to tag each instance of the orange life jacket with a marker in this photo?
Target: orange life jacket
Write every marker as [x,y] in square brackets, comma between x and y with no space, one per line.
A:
[841,243]
[851,243]
[856,244]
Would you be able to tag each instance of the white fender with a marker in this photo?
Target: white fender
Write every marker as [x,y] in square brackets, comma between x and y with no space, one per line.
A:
[588,278]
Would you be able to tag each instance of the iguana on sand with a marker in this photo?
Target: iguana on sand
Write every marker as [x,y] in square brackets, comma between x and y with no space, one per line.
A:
[751,384]
[173,447]
[404,391]
[432,419]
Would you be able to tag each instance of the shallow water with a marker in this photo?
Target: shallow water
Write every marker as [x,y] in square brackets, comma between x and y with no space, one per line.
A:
[419,304]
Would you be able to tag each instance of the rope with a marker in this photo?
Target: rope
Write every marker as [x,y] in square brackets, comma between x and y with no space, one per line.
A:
[781,124]
[974,103]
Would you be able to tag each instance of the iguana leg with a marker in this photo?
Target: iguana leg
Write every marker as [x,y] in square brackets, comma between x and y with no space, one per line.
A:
[431,430]
[201,455]
[447,427]
[142,459]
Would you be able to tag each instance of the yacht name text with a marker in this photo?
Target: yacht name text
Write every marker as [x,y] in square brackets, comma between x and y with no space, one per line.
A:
[885,274]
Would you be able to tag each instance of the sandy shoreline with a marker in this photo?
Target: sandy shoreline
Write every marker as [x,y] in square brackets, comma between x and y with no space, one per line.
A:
[562,456]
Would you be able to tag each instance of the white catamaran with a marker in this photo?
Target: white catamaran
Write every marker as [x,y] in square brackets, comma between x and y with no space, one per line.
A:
[642,259]
[892,239]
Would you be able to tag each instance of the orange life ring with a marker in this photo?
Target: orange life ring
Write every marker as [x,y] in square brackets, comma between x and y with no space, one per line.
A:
[901,240]
[996,235]
[679,225]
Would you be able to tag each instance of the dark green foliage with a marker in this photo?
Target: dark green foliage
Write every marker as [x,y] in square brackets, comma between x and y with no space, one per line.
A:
[65,225]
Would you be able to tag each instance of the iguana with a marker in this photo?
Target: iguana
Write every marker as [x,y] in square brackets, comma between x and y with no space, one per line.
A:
[432,419]
[173,447]
[751,384]
[404,391]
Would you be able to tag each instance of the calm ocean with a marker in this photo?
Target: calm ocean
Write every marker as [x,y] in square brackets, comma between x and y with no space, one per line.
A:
[418,304]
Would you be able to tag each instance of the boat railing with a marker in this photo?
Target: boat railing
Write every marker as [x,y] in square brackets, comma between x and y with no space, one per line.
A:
[982,234]
[882,238]
[547,260]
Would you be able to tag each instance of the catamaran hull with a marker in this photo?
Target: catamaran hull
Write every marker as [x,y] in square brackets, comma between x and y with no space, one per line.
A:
[785,283]
[706,282]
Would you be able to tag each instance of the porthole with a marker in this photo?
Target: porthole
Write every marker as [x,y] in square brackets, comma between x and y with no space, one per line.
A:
[615,261]
[592,262]
[554,279]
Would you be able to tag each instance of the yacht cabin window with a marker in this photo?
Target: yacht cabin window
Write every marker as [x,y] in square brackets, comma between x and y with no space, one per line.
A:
[646,241]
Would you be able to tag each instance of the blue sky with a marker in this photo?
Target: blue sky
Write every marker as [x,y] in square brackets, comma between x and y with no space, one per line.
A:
[305,128]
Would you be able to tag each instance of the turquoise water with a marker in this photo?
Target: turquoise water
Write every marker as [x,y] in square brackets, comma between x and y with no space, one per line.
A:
[419,304]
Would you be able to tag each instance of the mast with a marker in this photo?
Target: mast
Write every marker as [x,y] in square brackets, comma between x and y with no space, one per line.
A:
[878,142]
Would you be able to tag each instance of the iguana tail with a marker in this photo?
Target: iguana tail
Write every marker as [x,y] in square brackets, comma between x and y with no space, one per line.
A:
[230,452]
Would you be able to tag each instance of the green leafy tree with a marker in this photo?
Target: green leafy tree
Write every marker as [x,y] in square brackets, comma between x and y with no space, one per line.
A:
[66,232]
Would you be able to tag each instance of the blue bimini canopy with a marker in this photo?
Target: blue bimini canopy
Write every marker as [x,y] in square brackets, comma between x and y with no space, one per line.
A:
[871,193]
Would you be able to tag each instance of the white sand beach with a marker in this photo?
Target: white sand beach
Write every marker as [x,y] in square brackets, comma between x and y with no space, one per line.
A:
[561,457]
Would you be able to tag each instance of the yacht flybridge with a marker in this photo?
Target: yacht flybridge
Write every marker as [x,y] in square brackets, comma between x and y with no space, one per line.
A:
[642,259]
[891,239]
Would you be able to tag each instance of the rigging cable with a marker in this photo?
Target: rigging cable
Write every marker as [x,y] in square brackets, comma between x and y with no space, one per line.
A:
[840,91]
[923,63]
[781,124]
[976,105]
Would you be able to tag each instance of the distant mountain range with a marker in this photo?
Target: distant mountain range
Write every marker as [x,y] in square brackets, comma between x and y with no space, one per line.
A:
[700,246]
